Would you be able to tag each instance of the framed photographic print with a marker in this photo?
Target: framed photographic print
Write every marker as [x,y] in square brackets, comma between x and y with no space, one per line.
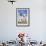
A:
[22,16]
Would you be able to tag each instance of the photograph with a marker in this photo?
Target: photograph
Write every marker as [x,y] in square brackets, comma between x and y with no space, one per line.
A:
[22,16]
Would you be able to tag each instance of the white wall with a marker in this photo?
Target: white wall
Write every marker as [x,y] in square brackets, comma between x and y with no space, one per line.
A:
[37,29]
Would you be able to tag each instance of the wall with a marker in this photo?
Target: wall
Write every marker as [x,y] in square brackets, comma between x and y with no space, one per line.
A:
[37,29]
